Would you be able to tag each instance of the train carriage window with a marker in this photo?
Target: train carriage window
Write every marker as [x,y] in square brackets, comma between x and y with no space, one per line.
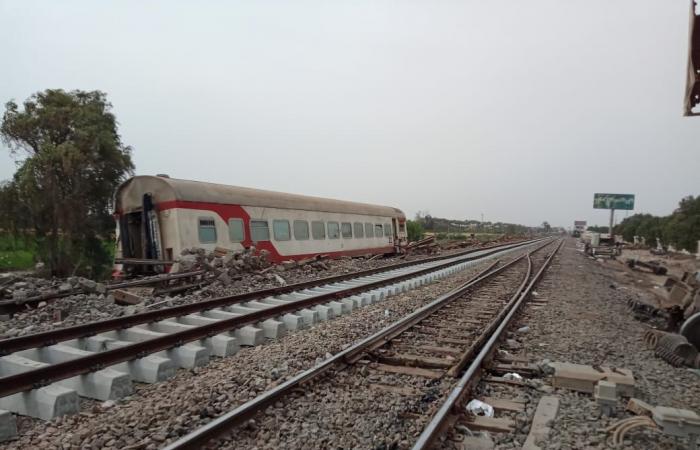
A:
[236,232]
[333,230]
[388,231]
[346,229]
[207,230]
[359,231]
[402,227]
[318,230]
[281,230]
[369,231]
[259,230]
[378,230]
[301,230]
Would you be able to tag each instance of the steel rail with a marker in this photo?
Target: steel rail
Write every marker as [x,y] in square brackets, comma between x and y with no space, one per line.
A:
[36,378]
[440,419]
[223,424]
[52,337]
[469,353]
[16,303]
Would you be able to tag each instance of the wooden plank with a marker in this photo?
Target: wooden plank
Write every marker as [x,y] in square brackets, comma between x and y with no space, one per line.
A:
[403,359]
[441,350]
[517,368]
[500,404]
[501,380]
[437,332]
[143,262]
[513,359]
[448,340]
[493,424]
[545,414]
[401,390]
[414,371]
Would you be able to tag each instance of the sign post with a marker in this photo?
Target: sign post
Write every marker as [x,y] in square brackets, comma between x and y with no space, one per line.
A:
[613,202]
[612,220]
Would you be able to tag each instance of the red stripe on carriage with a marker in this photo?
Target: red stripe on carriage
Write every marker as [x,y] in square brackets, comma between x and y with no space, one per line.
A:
[227,212]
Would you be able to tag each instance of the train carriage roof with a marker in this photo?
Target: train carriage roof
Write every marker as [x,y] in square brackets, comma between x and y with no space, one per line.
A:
[129,197]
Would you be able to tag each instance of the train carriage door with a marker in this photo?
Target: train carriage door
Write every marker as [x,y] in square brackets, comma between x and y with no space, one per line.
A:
[395,229]
[152,248]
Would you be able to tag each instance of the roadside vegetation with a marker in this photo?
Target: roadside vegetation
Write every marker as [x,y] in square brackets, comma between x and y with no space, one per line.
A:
[442,228]
[681,229]
[56,208]
[16,253]
[415,231]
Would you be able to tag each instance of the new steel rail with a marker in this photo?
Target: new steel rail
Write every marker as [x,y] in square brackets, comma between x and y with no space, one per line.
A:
[55,372]
[438,423]
[224,424]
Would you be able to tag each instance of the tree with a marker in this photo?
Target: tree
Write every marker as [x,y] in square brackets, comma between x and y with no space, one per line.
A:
[546,227]
[682,228]
[414,230]
[74,161]
[645,225]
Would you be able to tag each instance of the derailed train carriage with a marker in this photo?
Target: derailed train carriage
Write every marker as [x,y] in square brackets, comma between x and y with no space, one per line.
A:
[158,216]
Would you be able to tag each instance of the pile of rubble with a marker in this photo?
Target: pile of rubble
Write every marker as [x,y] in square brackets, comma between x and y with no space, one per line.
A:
[33,304]
[16,288]
[227,266]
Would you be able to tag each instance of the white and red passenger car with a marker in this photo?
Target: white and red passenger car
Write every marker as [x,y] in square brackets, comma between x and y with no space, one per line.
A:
[158,216]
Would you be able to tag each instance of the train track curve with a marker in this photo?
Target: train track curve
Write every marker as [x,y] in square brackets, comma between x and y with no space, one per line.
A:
[429,359]
[42,375]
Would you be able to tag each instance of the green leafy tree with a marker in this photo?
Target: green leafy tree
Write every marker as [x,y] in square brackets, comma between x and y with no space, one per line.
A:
[13,214]
[597,229]
[644,225]
[682,228]
[73,161]
[414,230]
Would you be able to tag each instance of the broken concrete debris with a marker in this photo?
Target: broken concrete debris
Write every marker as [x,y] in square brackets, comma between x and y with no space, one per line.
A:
[228,265]
[546,412]
[639,407]
[582,378]
[605,394]
[671,421]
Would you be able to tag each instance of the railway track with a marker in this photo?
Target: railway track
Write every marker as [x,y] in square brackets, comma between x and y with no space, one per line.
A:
[406,380]
[42,375]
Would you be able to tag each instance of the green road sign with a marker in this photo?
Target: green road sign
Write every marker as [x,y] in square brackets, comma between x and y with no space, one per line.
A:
[613,201]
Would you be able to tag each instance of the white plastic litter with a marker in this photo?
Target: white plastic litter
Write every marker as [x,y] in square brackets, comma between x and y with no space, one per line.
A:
[479,408]
[524,329]
[386,313]
[512,376]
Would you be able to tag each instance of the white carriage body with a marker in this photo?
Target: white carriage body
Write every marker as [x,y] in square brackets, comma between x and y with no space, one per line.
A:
[186,214]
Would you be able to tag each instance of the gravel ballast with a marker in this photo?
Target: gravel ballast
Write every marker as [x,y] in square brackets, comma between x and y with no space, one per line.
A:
[88,307]
[159,413]
[586,321]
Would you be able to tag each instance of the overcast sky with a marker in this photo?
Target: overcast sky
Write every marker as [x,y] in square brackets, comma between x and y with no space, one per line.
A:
[519,110]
